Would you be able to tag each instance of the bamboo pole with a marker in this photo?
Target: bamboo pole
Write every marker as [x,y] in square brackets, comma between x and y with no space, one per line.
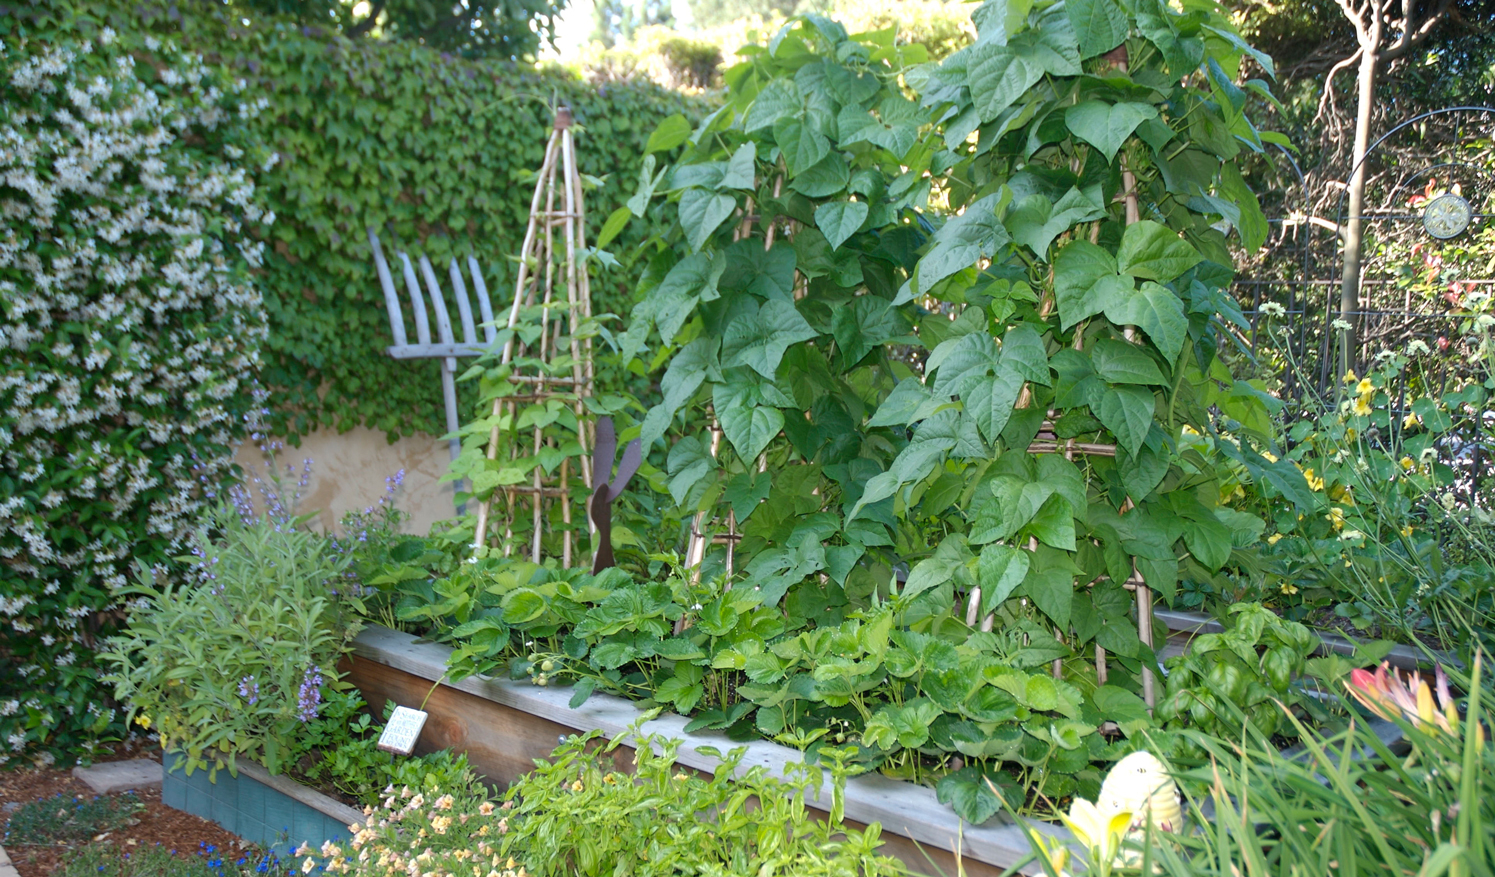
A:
[556,211]
[480,535]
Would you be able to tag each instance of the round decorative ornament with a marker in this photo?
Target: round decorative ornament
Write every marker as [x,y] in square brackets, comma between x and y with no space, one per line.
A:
[1446,216]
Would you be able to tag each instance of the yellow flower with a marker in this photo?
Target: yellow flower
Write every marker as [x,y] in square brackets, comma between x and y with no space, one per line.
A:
[143,720]
[1189,430]
[1408,463]
[1362,406]
[1349,376]
[1269,456]
[1274,538]
[1407,530]
[1099,831]
[308,865]
[1410,420]
[1335,517]
[1314,482]
[576,786]
[1365,387]
[1289,589]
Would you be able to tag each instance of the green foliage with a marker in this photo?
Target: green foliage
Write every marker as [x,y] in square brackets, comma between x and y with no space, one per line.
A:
[1251,667]
[1383,530]
[694,62]
[131,332]
[578,814]
[107,860]
[430,152]
[234,661]
[59,820]
[1042,295]
[339,749]
[1342,802]
[499,29]
[1042,277]
[515,455]
[943,706]
[1349,804]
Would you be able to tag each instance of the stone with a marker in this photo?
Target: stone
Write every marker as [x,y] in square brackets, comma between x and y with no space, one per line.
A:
[121,776]
[6,868]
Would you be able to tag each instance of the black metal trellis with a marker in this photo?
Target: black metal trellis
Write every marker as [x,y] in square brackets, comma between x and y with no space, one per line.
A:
[1301,270]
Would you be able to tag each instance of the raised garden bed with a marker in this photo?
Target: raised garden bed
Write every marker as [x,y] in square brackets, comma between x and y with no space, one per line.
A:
[274,812]
[503,726]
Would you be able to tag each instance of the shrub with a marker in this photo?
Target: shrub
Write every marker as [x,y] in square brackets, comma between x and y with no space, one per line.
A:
[235,662]
[693,62]
[129,338]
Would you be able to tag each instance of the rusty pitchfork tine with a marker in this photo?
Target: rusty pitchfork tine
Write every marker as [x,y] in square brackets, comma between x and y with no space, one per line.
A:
[633,457]
[604,452]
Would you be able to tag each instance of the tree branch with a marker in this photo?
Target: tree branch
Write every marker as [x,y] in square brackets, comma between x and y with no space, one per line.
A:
[1353,13]
[1411,39]
[1328,96]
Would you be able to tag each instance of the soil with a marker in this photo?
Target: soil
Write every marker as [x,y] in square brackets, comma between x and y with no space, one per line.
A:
[157,824]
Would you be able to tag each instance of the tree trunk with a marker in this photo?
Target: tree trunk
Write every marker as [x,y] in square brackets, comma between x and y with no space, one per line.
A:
[1349,289]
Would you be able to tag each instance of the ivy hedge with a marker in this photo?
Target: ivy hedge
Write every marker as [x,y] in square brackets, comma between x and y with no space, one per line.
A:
[441,152]
[437,151]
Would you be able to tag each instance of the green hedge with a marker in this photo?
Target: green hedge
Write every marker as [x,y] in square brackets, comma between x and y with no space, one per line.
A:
[436,151]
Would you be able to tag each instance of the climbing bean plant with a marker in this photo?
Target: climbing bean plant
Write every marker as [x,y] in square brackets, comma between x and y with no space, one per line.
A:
[954,442]
[1088,264]
[773,297]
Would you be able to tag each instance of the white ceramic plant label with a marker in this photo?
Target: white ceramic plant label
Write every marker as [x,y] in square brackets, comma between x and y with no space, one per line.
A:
[402,731]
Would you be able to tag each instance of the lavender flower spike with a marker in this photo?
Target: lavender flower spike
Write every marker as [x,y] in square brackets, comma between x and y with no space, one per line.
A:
[309,698]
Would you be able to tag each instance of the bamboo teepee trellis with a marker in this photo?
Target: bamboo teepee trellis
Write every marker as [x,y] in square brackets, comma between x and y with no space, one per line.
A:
[542,267]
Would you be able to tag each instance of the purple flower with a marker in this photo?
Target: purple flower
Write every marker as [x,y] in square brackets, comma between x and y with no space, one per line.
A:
[309,698]
[249,690]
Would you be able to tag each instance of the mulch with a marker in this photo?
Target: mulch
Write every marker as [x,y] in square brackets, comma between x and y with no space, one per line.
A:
[157,824]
